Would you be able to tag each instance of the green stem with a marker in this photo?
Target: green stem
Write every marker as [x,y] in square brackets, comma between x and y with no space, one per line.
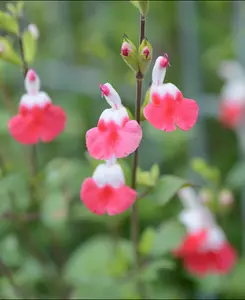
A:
[134,217]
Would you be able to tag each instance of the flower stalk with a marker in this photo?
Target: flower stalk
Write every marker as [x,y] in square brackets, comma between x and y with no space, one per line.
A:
[33,150]
[135,217]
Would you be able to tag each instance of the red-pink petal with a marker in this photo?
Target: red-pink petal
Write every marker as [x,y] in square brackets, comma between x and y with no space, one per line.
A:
[197,264]
[121,141]
[23,129]
[225,259]
[123,198]
[93,197]
[162,115]
[191,244]
[52,123]
[130,136]
[231,114]
[186,113]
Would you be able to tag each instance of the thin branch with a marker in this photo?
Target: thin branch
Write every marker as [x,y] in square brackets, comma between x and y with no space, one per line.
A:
[134,218]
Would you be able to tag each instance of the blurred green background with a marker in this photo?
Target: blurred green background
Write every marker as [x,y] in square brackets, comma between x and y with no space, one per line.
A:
[62,250]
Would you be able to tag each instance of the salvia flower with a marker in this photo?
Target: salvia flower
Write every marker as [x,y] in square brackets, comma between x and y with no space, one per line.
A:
[167,107]
[115,135]
[205,249]
[232,104]
[105,191]
[37,119]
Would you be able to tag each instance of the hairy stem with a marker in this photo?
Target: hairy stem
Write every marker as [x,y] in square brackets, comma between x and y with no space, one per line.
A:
[134,218]
[33,150]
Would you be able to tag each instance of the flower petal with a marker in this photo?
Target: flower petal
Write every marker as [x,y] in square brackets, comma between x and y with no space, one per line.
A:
[129,139]
[120,142]
[186,113]
[23,129]
[161,116]
[197,264]
[226,258]
[231,114]
[191,244]
[95,198]
[52,124]
[123,198]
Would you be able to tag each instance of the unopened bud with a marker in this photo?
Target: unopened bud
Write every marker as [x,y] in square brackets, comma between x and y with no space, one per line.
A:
[129,54]
[143,6]
[34,31]
[145,56]
[205,196]
[226,197]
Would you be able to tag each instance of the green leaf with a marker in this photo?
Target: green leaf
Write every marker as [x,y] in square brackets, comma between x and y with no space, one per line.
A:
[131,117]
[233,284]
[235,177]
[148,178]
[168,236]
[8,23]
[146,101]
[150,272]
[8,53]
[54,209]
[166,188]
[29,45]
[147,239]
[19,7]
[93,260]
[10,251]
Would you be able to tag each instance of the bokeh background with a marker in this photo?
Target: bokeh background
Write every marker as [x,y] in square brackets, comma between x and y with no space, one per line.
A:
[64,251]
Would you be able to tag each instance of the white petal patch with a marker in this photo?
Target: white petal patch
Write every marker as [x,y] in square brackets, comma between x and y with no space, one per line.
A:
[112,175]
[215,238]
[113,99]
[197,219]
[40,99]
[165,88]
[189,198]
[158,72]
[116,115]
[234,92]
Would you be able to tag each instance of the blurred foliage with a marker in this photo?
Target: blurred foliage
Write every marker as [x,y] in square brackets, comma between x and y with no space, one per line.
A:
[60,249]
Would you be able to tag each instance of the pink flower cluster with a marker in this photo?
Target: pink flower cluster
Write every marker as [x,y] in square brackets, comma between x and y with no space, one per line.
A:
[116,136]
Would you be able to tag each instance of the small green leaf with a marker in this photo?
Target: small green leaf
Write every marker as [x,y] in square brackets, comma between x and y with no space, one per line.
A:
[150,272]
[131,117]
[146,242]
[30,46]
[155,172]
[166,188]
[144,178]
[168,236]
[8,53]
[146,101]
[19,7]
[142,5]
[8,23]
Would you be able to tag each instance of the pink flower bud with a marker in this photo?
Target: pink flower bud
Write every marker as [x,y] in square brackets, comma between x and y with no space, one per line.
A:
[159,69]
[33,30]
[226,197]
[164,62]
[146,52]
[105,91]
[32,82]
[111,95]
[126,49]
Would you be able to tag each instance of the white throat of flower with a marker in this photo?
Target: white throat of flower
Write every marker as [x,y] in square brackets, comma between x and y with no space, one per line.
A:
[109,173]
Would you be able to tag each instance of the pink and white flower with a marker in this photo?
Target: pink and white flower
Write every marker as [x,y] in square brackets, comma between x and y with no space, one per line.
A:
[168,108]
[37,119]
[232,104]
[115,135]
[106,192]
[205,248]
